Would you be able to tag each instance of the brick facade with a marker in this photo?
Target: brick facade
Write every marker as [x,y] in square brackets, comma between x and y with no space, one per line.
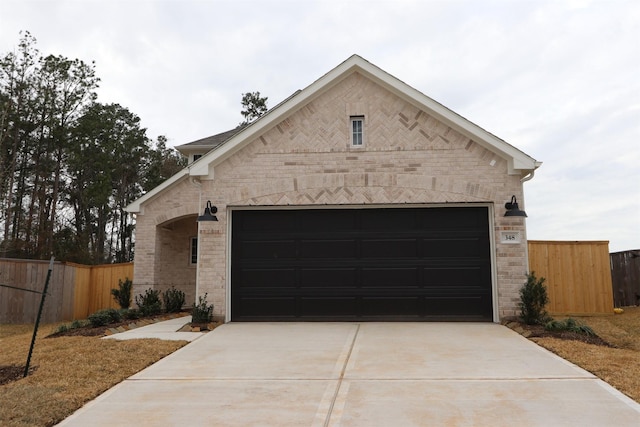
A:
[408,158]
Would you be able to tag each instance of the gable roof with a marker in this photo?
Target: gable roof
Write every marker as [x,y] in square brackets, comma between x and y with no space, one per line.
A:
[518,162]
[210,142]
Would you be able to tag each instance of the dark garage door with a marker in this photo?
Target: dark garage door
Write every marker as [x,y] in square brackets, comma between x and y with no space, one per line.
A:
[407,264]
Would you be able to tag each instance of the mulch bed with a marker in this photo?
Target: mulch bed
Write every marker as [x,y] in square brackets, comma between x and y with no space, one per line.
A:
[535,331]
[90,331]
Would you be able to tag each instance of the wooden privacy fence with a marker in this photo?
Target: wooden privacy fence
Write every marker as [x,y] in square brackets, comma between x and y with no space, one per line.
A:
[75,290]
[625,273]
[578,279]
[578,276]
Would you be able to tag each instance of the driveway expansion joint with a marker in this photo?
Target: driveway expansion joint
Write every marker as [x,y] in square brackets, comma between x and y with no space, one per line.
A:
[345,363]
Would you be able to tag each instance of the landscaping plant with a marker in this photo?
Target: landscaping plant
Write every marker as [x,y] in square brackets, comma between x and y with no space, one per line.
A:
[202,312]
[131,314]
[104,317]
[122,295]
[73,325]
[173,300]
[570,325]
[149,303]
[533,299]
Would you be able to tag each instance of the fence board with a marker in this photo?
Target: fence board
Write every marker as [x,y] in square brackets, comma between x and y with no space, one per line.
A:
[625,272]
[18,306]
[75,291]
[578,275]
[82,291]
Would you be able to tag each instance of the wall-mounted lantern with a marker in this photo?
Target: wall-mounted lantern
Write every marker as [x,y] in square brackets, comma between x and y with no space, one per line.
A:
[513,209]
[209,213]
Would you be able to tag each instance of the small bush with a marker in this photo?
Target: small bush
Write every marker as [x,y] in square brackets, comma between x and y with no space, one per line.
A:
[149,303]
[173,300]
[202,312]
[570,325]
[533,299]
[122,295]
[104,317]
[73,325]
[131,314]
[62,328]
[79,324]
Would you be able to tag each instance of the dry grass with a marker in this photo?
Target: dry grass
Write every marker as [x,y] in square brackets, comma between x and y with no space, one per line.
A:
[70,371]
[73,370]
[618,365]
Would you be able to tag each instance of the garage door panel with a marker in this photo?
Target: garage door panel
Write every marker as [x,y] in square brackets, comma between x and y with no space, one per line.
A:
[394,307]
[267,249]
[268,278]
[455,276]
[278,221]
[390,278]
[454,219]
[327,220]
[362,264]
[454,248]
[389,248]
[327,248]
[457,306]
[389,220]
[344,278]
[329,307]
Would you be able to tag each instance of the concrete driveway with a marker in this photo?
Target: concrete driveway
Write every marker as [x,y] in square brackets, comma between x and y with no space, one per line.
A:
[369,374]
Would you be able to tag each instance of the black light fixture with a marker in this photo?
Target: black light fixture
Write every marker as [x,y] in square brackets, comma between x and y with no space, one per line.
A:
[513,209]
[209,213]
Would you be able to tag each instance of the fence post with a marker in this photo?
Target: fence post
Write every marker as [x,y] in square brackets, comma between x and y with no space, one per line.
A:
[35,328]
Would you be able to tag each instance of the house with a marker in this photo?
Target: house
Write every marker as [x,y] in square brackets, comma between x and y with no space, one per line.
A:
[357,198]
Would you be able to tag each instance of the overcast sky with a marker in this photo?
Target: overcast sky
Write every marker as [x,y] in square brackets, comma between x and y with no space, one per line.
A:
[558,79]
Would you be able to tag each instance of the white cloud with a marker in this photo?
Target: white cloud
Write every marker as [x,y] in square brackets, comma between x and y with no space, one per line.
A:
[557,79]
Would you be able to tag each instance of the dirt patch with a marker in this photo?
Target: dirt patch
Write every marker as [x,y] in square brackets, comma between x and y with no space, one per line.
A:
[13,373]
[91,331]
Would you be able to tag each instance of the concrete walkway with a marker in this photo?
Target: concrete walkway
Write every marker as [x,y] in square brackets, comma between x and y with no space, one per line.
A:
[165,330]
[370,374]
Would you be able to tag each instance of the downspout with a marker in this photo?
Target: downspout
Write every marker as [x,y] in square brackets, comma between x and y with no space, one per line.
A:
[196,182]
[524,179]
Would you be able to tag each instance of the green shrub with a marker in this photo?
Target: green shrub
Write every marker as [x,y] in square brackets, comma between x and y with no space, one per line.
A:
[104,317]
[73,325]
[122,295]
[79,324]
[149,303]
[533,299]
[62,328]
[173,300]
[131,314]
[570,325]
[202,312]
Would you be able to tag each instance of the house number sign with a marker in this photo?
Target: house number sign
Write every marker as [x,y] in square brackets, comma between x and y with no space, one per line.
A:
[510,237]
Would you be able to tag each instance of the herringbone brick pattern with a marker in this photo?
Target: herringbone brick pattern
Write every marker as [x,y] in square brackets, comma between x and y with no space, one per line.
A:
[408,157]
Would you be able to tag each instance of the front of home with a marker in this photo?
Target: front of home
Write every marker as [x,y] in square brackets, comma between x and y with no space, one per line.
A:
[357,198]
